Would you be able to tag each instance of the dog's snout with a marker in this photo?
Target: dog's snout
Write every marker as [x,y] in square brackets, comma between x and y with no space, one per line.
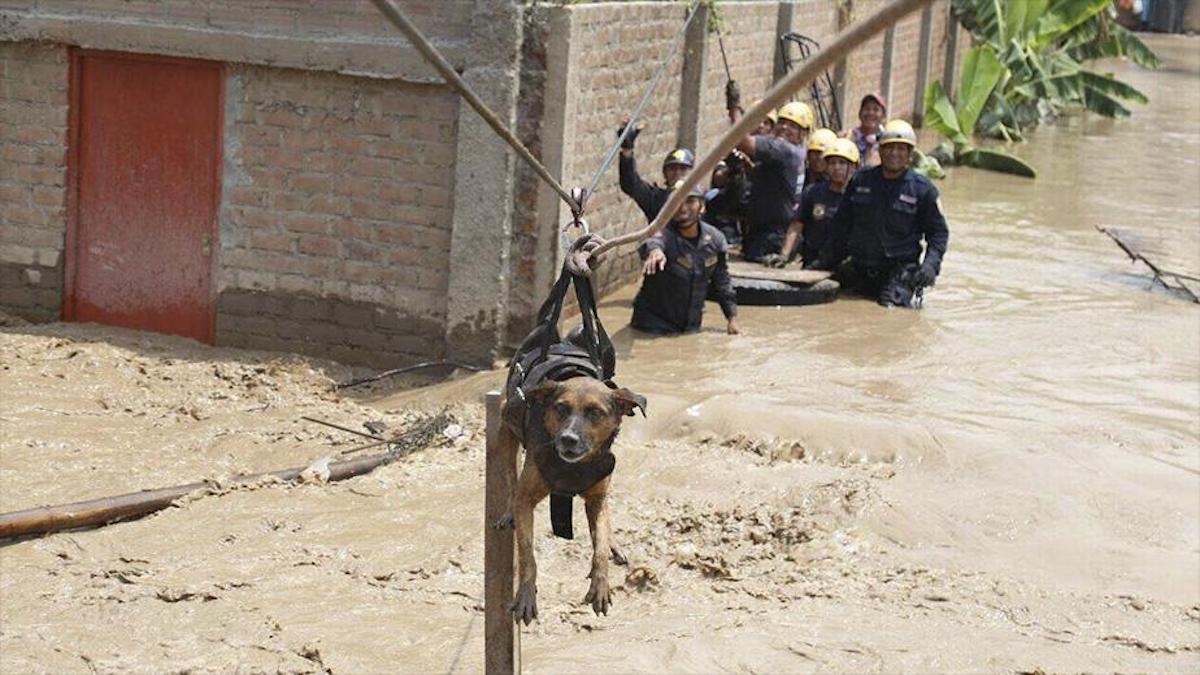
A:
[568,440]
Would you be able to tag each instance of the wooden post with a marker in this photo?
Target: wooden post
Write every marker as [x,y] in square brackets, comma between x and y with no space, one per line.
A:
[500,481]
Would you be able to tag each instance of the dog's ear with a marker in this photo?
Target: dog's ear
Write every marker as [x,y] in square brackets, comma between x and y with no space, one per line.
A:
[545,393]
[625,401]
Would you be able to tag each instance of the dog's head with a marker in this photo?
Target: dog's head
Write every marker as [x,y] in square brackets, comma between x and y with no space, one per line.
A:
[581,414]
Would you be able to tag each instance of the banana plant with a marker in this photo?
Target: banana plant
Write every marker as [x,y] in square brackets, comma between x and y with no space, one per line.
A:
[982,72]
[1027,66]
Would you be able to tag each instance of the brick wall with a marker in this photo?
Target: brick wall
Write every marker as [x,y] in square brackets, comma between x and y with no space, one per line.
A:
[864,66]
[618,48]
[904,67]
[33,140]
[816,19]
[335,225]
[937,41]
[750,40]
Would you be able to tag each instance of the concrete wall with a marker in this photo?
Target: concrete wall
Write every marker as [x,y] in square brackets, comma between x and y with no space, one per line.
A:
[33,141]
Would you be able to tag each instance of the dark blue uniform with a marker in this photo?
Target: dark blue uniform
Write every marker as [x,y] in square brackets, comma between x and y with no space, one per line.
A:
[778,167]
[672,301]
[649,198]
[880,224]
[818,206]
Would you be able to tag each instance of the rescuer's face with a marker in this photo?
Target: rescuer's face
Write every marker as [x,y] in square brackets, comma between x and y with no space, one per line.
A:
[673,173]
[895,156]
[839,169]
[689,212]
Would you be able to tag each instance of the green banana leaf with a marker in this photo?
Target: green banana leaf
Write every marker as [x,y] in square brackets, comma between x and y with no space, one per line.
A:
[1103,104]
[927,166]
[1100,38]
[995,160]
[981,72]
[940,114]
[1062,16]
[1110,86]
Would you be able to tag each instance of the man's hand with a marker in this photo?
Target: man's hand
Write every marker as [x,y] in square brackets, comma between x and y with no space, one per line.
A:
[925,274]
[627,144]
[733,95]
[733,328]
[655,262]
[774,260]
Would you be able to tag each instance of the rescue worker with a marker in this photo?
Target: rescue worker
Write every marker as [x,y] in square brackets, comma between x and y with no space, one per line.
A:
[649,197]
[872,112]
[726,200]
[884,214]
[679,265]
[776,178]
[813,227]
[814,165]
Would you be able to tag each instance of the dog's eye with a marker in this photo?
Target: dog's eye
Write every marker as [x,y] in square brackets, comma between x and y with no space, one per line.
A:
[595,414]
[562,409]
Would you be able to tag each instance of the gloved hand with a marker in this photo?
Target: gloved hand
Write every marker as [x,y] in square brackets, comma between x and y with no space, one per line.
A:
[925,274]
[627,144]
[774,260]
[733,95]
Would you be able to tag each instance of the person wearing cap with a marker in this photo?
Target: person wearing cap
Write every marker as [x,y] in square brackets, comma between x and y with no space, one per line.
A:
[726,200]
[885,213]
[776,178]
[872,111]
[649,197]
[814,165]
[681,265]
[813,227]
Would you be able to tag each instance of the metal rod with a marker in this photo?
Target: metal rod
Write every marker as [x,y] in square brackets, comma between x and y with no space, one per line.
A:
[616,147]
[724,59]
[345,429]
[837,50]
[392,12]
[406,369]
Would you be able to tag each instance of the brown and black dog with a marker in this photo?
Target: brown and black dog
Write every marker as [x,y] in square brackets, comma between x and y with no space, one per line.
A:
[569,430]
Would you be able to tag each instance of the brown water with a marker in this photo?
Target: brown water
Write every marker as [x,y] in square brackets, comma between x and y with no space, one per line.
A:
[1006,480]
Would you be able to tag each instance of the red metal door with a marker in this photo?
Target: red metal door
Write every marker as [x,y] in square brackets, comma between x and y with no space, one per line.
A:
[144,167]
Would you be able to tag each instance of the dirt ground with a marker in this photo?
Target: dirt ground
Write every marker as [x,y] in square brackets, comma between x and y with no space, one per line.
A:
[1005,481]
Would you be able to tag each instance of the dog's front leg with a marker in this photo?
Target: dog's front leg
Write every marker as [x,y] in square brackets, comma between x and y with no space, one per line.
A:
[531,489]
[595,500]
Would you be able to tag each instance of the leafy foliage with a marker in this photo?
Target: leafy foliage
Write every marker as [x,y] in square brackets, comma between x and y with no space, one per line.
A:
[1026,66]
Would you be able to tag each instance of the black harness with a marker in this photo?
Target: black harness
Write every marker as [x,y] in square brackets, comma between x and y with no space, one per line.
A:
[543,356]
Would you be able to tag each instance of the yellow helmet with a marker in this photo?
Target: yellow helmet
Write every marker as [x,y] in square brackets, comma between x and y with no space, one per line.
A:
[821,139]
[844,148]
[898,131]
[798,113]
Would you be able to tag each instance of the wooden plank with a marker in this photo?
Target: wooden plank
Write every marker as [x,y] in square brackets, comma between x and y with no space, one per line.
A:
[500,481]
[792,274]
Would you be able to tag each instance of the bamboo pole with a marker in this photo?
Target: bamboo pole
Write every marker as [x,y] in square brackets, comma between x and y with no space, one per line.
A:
[99,512]
[501,479]
[823,60]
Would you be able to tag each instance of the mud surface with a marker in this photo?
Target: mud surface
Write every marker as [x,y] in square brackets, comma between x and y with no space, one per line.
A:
[1008,480]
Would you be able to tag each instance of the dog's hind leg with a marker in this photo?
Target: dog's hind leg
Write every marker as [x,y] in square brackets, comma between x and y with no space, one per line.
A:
[531,489]
[595,500]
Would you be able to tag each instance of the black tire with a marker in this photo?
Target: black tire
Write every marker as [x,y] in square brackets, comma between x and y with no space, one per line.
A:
[766,292]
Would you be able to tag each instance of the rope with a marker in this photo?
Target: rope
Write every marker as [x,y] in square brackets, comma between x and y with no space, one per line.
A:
[837,50]
[637,111]
[392,12]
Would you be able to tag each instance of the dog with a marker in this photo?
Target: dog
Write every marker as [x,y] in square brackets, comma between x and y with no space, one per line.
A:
[569,429]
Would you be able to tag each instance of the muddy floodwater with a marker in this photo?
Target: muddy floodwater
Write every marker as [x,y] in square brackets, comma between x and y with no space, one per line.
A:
[1005,481]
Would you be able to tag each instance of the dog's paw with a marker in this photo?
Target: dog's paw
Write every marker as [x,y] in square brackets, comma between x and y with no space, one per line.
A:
[505,522]
[600,595]
[524,607]
[617,556]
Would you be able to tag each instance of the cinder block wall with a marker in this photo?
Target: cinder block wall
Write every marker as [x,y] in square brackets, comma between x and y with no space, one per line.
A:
[335,225]
[33,141]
